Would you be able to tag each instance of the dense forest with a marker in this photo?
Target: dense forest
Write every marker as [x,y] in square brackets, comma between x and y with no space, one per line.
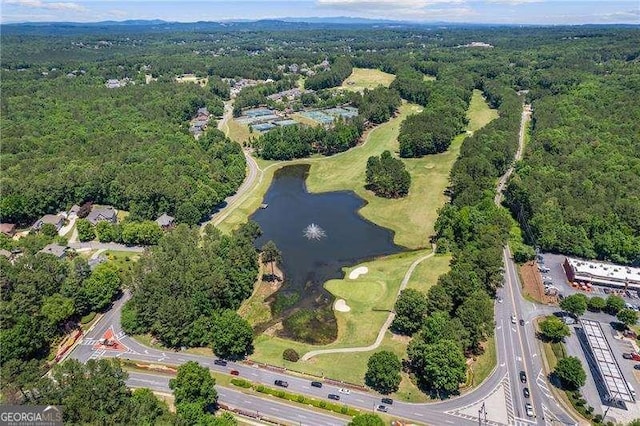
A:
[66,141]
[578,188]
[332,77]
[180,284]
[40,294]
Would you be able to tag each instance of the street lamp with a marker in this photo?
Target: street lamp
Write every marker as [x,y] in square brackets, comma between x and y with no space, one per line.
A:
[480,411]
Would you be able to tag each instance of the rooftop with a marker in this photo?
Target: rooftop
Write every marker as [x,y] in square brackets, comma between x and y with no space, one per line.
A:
[614,381]
[54,249]
[604,271]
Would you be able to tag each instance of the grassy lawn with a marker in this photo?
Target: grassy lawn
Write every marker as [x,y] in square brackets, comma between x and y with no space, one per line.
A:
[428,77]
[426,273]
[366,78]
[484,364]
[359,327]
[479,112]
[237,132]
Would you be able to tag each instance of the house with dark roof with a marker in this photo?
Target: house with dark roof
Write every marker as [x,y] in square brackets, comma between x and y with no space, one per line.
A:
[102,213]
[165,221]
[55,220]
[55,249]
[8,229]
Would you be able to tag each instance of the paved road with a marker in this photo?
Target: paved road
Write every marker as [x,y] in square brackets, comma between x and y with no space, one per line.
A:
[385,326]
[94,245]
[262,407]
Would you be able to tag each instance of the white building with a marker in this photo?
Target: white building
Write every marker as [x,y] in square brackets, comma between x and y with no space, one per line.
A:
[602,273]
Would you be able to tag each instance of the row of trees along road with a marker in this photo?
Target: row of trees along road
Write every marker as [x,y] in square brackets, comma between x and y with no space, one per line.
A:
[455,317]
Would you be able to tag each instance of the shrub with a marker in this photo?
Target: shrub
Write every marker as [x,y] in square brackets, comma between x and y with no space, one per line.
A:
[260,388]
[290,355]
[87,318]
[241,383]
[300,398]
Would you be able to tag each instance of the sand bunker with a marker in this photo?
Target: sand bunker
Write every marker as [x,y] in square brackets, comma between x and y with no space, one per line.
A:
[357,272]
[341,306]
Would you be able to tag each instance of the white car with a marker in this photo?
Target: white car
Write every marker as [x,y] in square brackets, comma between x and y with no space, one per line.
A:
[513,319]
[529,409]
[344,391]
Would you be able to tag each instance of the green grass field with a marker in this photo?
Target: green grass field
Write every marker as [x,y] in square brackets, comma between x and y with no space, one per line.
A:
[366,78]
[428,77]
[426,273]
[479,113]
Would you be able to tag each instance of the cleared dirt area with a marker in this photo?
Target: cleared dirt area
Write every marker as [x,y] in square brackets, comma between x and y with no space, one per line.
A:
[532,284]
[366,78]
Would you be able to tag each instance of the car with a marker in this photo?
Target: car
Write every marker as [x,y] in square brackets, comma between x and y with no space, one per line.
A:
[334,397]
[221,362]
[513,319]
[529,408]
[526,393]
[382,408]
[627,355]
[344,391]
[316,384]
[281,383]
[521,322]
[637,366]
[523,377]
[234,372]
[500,300]
[387,401]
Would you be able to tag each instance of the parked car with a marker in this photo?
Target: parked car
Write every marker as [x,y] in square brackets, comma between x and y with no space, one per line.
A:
[334,397]
[513,319]
[281,383]
[382,408]
[631,355]
[234,372]
[316,384]
[526,393]
[523,377]
[344,391]
[387,401]
[221,362]
[529,409]
[521,322]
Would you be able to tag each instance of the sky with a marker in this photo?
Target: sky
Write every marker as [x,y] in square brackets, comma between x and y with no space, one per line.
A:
[546,12]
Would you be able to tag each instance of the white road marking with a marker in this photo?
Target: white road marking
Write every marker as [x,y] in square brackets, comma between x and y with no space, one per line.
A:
[418,414]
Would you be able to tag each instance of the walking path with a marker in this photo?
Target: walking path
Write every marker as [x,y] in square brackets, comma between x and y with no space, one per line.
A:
[385,326]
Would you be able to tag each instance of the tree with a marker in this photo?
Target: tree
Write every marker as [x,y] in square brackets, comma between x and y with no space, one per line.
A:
[271,255]
[383,372]
[387,176]
[575,304]
[628,317]
[476,315]
[410,308]
[570,372]
[188,213]
[366,419]
[49,230]
[232,335]
[615,304]
[193,384]
[440,326]
[101,286]
[86,232]
[438,299]
[57,308]
[440,367]
[146,409]
[596,304]
[554,329]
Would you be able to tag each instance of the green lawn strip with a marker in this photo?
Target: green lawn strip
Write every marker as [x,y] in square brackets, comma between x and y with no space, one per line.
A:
[427,273]
[483,365]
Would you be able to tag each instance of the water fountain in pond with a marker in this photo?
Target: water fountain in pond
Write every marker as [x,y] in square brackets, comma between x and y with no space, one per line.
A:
[314,232]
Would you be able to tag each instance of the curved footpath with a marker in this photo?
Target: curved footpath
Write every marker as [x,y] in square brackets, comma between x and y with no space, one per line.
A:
[385,326]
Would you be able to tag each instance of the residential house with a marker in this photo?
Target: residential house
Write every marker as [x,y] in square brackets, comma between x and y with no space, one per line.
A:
[102,213]
[55,220]
[55,249]
[165,221]
[6,253]
[73,211]
[8,229]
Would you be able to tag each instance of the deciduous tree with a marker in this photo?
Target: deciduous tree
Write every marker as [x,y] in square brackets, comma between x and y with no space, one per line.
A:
[383,372]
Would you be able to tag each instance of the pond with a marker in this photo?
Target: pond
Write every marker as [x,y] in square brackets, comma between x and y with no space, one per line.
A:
[318,235]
